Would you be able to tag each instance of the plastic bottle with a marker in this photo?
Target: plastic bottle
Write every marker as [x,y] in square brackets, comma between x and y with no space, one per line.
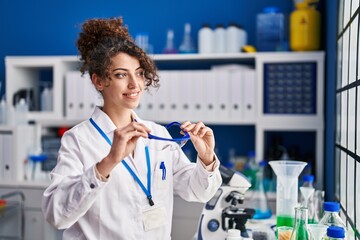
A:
[270,30]
[206,39]
[233,234]
[220,39]
[307,196]
[251,168]
[301,230]
[304,27]
[259,200]
[335,233]
[21,110]
[243,37]
[46,102]
[331,215]
[187,45]
[3,112]
[170,46]
[233,38]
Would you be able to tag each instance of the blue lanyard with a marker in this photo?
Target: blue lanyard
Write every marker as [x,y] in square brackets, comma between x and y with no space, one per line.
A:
[146,191]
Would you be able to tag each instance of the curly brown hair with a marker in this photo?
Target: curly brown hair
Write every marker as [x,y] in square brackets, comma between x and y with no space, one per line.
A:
[102,39]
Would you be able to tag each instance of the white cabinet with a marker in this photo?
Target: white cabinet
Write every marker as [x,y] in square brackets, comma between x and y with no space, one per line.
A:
[35,226]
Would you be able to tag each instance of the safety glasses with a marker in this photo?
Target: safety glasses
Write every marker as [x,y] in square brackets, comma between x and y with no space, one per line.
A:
[177,140]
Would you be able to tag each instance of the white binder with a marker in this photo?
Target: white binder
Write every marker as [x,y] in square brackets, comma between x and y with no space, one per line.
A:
[236,95]
[222,102]
[71,95]
[8,156]
[249,103]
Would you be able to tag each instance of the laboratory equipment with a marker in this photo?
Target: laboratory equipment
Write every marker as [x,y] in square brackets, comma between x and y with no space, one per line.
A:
[317,231]
[187,45]
[46,98]
[287,172]
[233,234]
[301,230]
[335,232]
[307,196]
[258,199]
[305,26]
[331,215]
[21,110]
[3,111]
[206,39]
[220,38]
[270,30]
[170,46]
[319,196]
[222,212]
[284,232]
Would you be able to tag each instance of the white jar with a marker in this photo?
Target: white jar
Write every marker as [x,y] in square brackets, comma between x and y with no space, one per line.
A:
[233,234]
[206,39]
[236,38]
[3,112]
[220,39]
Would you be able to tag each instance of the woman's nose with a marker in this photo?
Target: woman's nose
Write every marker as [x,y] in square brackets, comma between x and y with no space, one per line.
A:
[132,82]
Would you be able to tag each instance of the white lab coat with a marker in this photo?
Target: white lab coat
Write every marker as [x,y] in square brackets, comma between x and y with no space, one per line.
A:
[88,208]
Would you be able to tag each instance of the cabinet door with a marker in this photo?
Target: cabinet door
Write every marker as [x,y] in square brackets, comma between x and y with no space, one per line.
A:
[34,225]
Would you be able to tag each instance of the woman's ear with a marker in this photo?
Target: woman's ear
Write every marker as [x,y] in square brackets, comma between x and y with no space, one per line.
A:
[98,82]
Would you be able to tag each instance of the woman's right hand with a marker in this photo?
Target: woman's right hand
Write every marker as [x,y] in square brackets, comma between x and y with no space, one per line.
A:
[123,144]
[125,138]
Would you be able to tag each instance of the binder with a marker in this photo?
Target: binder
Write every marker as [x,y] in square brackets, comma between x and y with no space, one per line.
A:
[236,95]
[209,82]
[174,95]
[71,93]
[197,95]
[222,79]
[162,96]
[249,102]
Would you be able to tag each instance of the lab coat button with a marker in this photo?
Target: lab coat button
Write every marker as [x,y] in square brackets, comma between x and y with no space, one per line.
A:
[92,185]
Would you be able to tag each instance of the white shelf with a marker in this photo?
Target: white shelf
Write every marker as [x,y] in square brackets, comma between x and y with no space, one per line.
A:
[21,72]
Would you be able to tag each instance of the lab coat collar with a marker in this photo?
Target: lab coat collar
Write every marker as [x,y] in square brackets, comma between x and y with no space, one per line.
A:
[105,122]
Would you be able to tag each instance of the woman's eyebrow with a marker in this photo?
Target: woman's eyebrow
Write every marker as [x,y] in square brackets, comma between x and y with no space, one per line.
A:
[124,69]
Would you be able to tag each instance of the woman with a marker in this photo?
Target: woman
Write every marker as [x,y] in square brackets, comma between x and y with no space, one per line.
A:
[111,181]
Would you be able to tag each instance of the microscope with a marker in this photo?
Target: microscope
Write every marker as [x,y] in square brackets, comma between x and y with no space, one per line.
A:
[222,212]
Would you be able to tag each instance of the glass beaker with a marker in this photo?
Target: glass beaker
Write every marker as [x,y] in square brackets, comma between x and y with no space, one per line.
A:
[287,173]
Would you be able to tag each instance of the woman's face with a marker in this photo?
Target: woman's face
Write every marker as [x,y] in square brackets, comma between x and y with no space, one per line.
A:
[126,84]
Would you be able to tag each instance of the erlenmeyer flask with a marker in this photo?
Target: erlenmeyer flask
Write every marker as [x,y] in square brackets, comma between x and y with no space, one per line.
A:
[301,230]
[259,199]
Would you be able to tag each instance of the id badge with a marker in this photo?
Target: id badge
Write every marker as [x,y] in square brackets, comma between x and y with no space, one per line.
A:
[154,217]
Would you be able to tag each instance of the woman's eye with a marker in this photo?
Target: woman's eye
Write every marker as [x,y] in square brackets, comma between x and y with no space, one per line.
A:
[140,74]
[121,75]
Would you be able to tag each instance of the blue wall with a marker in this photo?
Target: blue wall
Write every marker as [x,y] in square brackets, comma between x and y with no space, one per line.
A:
[43,27]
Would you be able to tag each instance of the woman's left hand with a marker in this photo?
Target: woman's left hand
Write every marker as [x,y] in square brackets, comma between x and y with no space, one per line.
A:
[203,139]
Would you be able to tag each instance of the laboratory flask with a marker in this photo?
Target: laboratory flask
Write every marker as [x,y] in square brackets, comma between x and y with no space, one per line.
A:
[259,199]
[287,173]
[301,230]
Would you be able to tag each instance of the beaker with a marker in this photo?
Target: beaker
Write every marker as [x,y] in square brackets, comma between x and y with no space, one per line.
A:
[287,173]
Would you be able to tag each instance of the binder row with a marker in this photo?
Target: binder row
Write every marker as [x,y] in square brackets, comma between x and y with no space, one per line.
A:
[213,96]
[80,96]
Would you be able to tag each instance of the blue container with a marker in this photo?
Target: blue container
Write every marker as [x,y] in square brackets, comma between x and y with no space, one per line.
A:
[270,28]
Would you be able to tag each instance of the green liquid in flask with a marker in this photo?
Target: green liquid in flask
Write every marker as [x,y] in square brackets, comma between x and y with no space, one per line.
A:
[285,221]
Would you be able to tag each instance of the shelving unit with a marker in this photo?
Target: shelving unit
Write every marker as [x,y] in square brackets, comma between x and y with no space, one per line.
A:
[25,72]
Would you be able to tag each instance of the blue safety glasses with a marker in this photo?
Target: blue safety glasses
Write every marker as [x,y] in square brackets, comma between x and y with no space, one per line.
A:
[177,141]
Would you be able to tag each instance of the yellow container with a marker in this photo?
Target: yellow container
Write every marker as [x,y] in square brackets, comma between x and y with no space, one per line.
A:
[304,28]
